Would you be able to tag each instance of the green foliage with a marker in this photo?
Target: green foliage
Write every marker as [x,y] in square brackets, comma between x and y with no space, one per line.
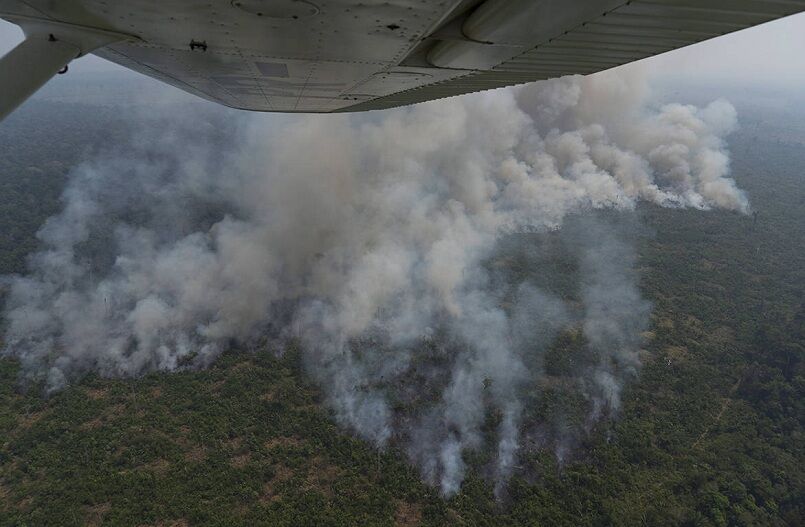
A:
[710,434]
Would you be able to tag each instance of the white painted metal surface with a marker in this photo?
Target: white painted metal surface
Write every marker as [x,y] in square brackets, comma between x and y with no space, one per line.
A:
[268,55]
[48,48]
[345,55]
[499,30]
[28,67]
[631,31]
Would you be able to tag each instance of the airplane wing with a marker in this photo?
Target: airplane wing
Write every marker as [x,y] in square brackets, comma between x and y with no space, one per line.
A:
[346,55]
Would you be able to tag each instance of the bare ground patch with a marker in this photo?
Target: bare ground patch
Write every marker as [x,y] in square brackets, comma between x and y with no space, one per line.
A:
[92,424]
[29,419]
[321,476]
[94,515]
[195,454]
[676,354]
[168,523]
[96,394]
[270,494]
[284,441]
[240,460]
[408,514]
[233,443]
[269,396]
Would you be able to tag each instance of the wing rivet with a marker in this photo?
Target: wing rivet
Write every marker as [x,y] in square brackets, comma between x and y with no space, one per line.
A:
[195,44]
[277,9]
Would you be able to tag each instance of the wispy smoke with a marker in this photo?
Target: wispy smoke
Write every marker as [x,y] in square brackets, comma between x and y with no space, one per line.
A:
[371,241]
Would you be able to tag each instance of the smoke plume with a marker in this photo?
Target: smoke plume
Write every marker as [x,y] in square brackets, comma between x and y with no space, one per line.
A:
[372,241]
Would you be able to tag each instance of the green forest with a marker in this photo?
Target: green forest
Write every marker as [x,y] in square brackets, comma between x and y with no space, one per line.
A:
[710,433]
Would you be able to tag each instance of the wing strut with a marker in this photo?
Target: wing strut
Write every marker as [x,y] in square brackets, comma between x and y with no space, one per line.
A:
[29,66]
[47,49]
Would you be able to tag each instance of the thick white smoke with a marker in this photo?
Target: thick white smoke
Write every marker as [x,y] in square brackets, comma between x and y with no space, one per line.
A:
[367,239]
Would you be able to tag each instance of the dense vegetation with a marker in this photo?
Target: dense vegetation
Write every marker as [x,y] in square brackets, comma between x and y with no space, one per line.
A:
[38,147]
[711,434]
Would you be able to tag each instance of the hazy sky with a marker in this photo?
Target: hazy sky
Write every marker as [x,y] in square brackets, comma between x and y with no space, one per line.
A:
[773,53]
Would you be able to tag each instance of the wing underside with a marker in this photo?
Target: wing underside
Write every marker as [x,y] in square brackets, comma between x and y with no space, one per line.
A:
[332,56]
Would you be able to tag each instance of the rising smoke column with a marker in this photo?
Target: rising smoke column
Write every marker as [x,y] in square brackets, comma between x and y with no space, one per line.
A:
[368,239]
